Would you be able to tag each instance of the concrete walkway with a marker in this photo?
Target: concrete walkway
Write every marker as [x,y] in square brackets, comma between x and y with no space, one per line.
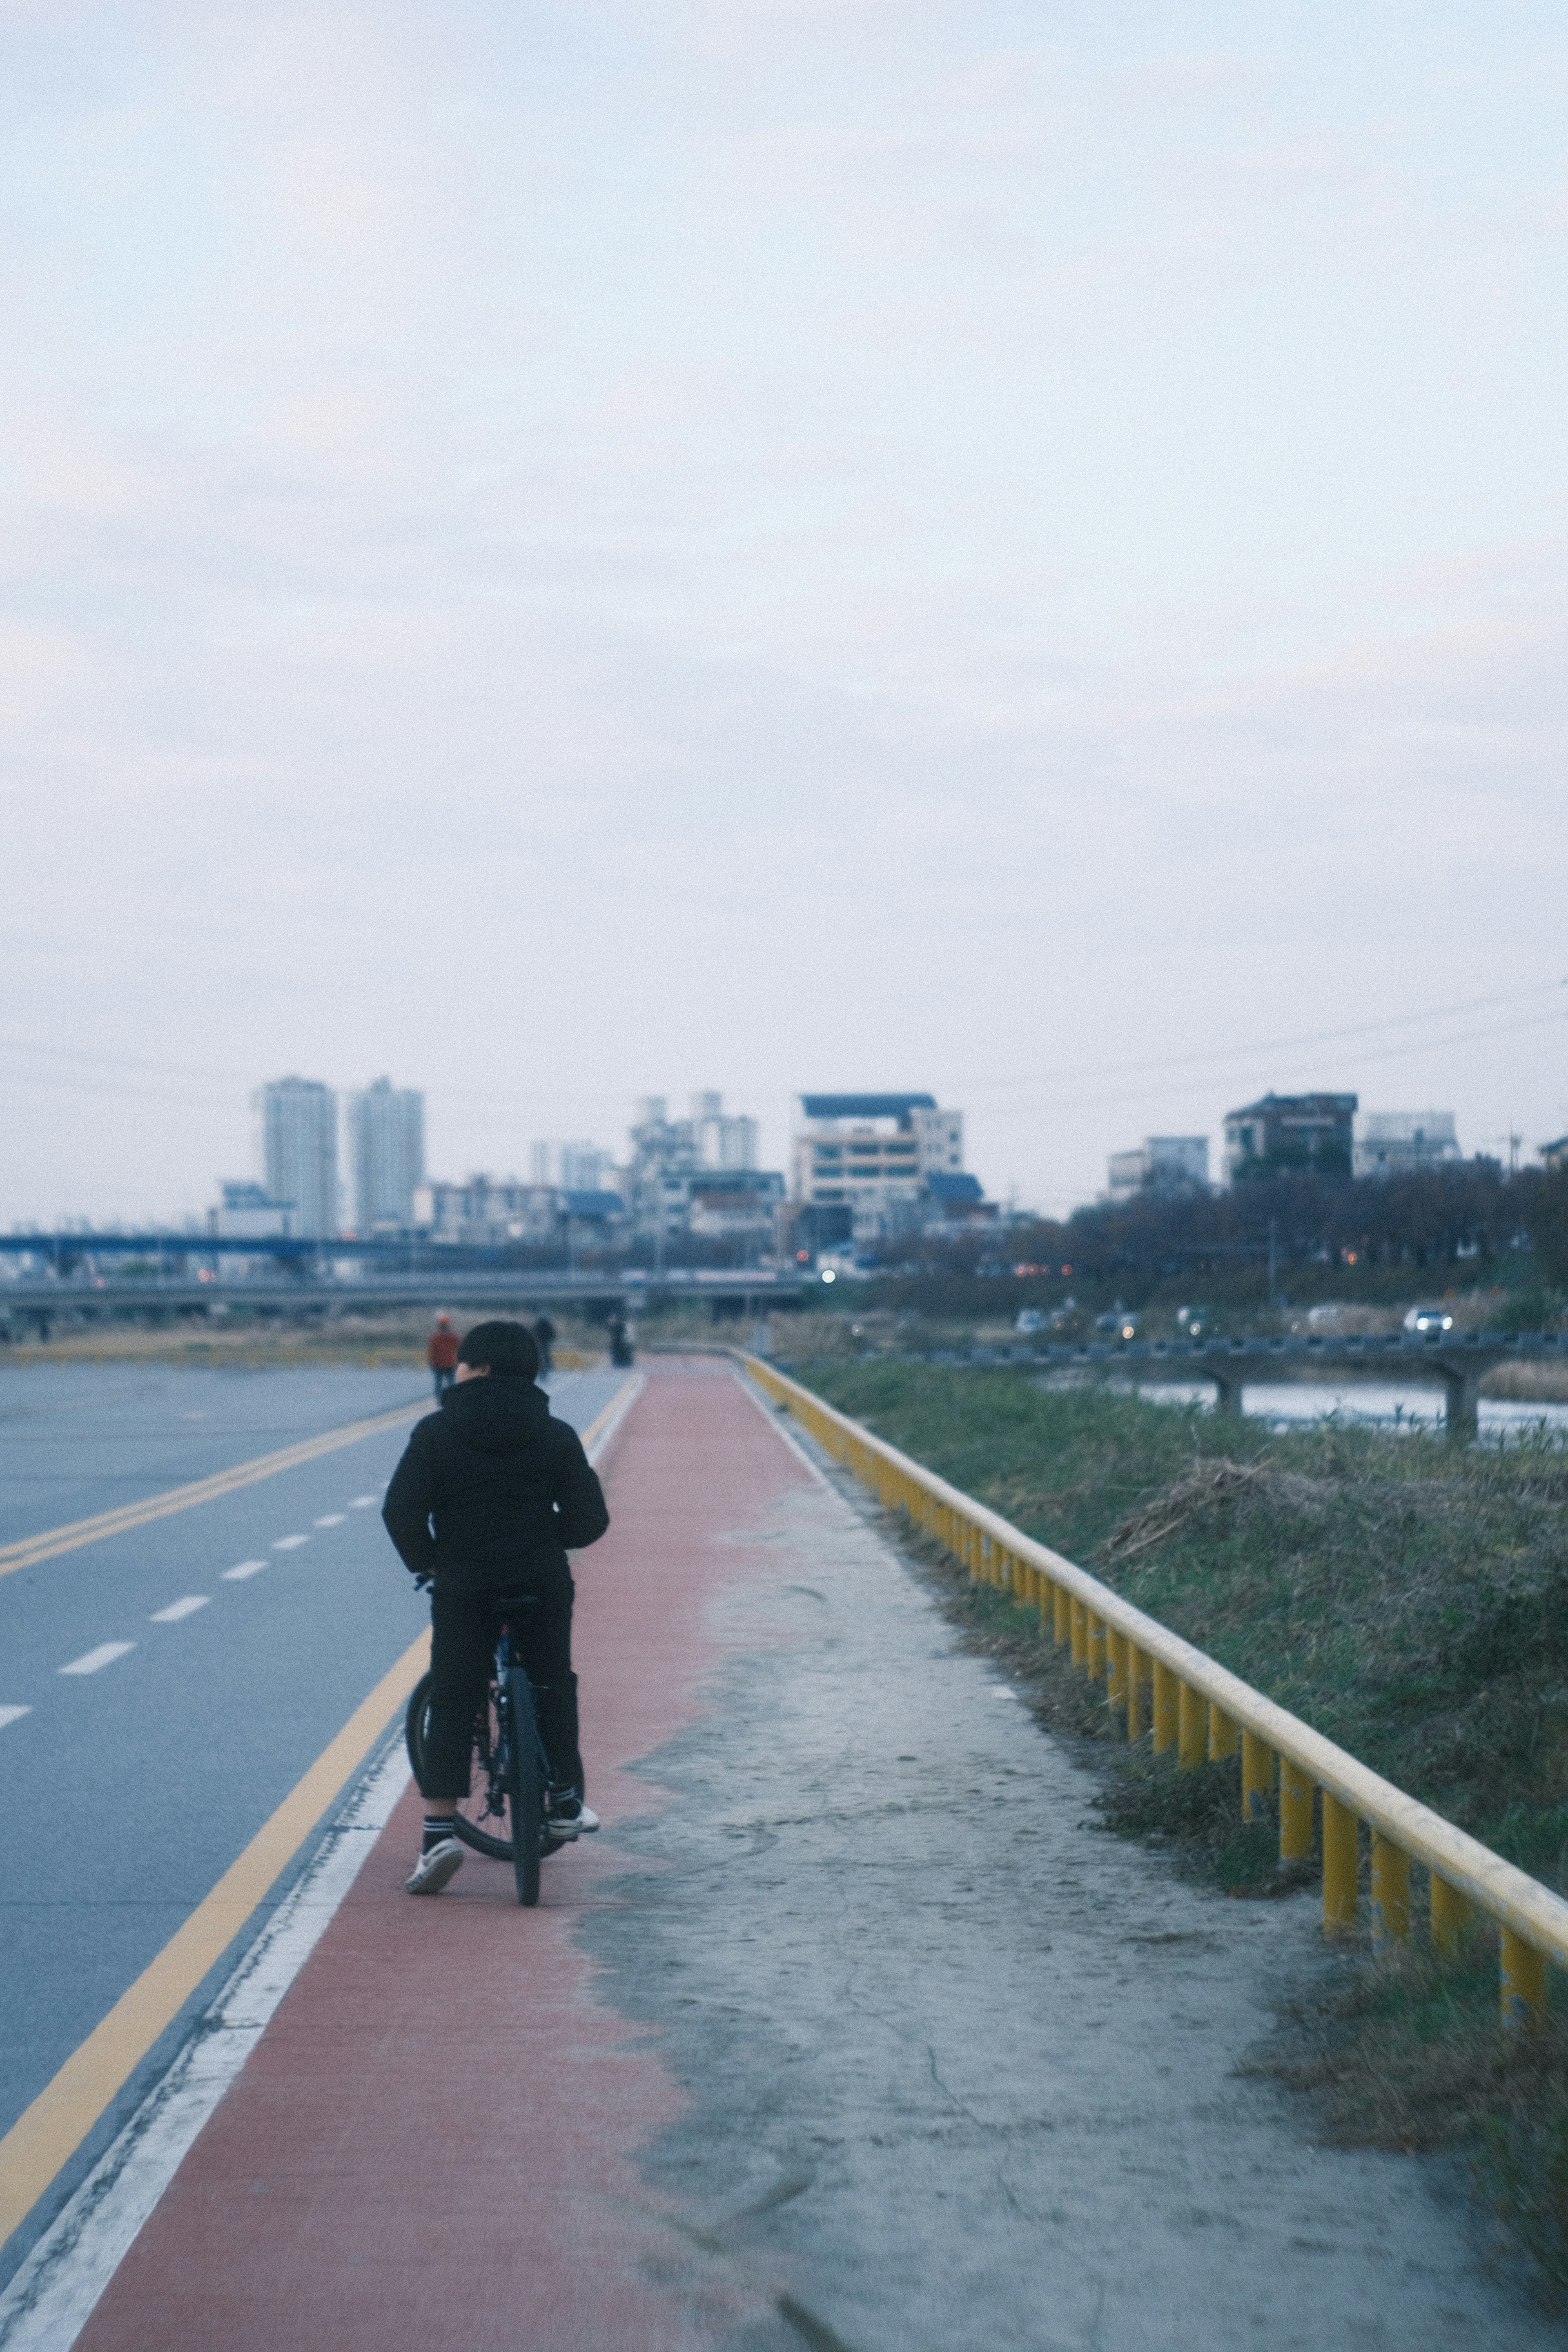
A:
[845,2030]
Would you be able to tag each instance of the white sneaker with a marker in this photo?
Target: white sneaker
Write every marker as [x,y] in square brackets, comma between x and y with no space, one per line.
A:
[433,1870]
[569,1817]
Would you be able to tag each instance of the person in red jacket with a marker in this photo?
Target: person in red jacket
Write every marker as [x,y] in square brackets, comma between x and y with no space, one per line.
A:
[441,1355]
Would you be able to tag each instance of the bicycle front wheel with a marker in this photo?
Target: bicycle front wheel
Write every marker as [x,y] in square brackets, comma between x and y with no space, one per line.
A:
[482,1817]
[525,1787]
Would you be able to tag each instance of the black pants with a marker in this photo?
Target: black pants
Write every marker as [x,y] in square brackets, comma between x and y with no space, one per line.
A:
[444,1376]
[464,1627]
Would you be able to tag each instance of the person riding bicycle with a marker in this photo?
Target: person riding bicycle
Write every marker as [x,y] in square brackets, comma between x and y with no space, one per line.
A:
[490,1494]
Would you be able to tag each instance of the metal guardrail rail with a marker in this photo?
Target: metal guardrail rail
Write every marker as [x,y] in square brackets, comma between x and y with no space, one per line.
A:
[1158,1683]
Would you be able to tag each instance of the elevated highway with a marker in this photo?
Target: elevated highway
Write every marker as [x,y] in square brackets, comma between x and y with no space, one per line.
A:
[35,1306]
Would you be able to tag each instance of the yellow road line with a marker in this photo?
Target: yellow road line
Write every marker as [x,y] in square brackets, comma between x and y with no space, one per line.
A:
[49,2134]
[202,1490]
[603,1415]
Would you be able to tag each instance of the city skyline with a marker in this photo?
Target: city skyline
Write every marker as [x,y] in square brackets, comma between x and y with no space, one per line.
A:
[559,1162]
[964,548]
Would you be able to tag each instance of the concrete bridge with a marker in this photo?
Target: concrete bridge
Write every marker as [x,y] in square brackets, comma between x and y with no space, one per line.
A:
[1460,1361]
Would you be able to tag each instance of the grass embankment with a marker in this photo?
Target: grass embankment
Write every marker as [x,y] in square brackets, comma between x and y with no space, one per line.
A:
[379,1342]
[1408,1598]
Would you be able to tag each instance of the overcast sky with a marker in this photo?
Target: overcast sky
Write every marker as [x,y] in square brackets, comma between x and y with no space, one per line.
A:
[566,550]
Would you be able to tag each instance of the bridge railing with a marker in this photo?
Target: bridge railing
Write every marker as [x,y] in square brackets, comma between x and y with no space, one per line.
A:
[1187,1703]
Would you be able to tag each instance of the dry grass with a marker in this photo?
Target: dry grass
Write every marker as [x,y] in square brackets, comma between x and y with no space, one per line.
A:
[1406,1598]
[391,1340]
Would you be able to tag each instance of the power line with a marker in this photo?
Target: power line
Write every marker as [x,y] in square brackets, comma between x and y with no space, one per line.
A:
[1221,1054]
[1388,1054]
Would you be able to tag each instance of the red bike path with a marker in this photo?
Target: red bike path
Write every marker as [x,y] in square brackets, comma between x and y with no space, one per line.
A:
[436,2139]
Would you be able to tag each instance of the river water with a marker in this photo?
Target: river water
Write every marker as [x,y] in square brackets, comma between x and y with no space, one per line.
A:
[1419,1405]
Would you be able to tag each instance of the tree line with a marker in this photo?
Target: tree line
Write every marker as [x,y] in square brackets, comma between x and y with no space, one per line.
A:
[1468,1222]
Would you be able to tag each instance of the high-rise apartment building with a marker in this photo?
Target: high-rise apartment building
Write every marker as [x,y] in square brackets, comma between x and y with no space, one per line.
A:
[386,1151]
[298,1118]
[574,1167]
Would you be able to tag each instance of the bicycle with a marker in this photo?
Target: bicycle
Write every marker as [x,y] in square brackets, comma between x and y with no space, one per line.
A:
[509,1771]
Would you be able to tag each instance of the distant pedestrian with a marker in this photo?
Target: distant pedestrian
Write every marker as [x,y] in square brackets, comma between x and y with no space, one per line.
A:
[621,1345]
[544,1334]
[441,1355]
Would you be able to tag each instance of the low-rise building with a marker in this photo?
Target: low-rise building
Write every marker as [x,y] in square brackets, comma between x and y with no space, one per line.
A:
[1395,1142]
[247,1213]
[496,1212]
[876,1155]
[1160,1163]
[487,1211]
[1285,1131]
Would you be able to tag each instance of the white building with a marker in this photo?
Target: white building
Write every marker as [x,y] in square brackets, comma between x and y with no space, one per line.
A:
[673,1159]
[1160,1164]
[722,1142]
[386,1152]
[487,1211]
[575,1167]
[246,1213]
[875,1154]
[1393,1143]
[298,1118]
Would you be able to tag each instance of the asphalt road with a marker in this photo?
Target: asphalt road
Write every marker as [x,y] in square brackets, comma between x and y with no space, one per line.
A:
[162,1690]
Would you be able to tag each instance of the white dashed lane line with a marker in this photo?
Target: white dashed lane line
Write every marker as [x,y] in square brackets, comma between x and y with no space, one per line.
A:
[104,1656]
[106,1652]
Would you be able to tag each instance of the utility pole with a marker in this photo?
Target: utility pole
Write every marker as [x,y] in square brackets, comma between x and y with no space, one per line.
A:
[1273,1255]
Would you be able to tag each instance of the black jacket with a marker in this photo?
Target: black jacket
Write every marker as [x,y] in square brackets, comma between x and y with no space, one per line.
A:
[506,1487]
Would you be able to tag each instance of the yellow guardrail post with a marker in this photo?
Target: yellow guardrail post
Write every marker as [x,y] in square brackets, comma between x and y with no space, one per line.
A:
[1116,1680]
[1465,1876]
[1191,1728]
[1295,1810]
[1256,1777]
[1094,1660]
[1390,1892]
[1167,1710]
[1451,1914]
[1522,1971]
[1342,1865]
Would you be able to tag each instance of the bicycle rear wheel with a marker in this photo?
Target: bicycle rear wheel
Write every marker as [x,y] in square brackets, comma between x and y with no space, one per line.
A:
[481,1819]
[525,1787]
